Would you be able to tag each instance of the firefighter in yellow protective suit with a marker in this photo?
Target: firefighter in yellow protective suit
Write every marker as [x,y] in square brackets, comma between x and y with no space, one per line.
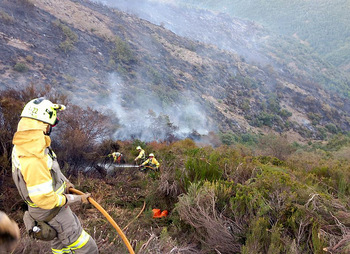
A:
[141,156]
[42,185]
[9,234]
[117,157]
[151,162]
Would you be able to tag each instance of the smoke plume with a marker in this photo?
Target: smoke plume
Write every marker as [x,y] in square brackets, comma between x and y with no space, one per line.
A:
[147,118]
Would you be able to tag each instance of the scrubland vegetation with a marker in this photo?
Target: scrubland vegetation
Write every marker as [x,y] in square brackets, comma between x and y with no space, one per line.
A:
[246,194]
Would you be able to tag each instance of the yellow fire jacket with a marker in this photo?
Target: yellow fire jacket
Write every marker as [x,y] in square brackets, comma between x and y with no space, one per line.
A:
[152,163]
[35,170]
[141,155]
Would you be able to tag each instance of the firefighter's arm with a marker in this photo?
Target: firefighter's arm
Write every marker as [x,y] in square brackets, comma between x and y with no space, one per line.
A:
[141,154]
[144,163]
[39,185]
[138,157]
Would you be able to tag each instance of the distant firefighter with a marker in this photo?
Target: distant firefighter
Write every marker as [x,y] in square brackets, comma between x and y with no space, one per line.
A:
[151,162]
[9,234]
[141,156]
[117,157]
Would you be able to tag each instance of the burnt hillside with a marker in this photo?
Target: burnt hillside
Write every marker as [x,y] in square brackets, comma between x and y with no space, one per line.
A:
[75,46]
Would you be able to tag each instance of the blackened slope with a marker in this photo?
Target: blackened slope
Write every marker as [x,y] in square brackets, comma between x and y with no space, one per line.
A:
[236,95]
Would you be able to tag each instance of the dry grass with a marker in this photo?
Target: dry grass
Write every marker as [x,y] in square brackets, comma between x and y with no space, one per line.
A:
[78,16]
[168,186]
[217,233]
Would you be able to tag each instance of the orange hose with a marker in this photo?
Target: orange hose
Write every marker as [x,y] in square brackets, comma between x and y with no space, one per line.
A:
[109,218]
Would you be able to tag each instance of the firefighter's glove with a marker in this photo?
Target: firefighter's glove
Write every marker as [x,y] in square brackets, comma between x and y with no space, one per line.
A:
[68,185]
[74,199]
[84,198]
[9,233]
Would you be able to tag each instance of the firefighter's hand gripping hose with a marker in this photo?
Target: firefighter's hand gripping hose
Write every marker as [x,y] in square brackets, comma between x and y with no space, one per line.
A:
[108,217]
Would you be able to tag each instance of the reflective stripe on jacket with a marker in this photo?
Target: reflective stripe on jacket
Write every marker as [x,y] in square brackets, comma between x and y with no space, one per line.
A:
[35,170]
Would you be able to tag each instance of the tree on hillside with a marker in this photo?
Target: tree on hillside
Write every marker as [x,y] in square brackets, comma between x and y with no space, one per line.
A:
[81,130]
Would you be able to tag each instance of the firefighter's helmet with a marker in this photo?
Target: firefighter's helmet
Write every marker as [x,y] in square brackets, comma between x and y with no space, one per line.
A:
[42,110]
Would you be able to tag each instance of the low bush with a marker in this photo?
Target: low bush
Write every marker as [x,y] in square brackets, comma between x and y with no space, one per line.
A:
[6,18]
[213,230]
[70,37]
[20,67]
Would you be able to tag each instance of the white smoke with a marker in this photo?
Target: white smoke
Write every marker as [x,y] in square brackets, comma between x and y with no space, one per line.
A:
[240,37]
[179,119]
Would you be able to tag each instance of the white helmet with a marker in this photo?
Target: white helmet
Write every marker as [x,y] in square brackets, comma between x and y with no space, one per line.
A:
[151,155]
[138,148]
[42,110]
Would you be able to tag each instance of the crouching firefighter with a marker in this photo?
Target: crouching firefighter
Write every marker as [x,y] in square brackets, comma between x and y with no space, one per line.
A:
[151,163]
[42,185]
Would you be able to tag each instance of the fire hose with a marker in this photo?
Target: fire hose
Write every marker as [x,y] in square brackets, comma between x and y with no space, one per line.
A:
[108,217]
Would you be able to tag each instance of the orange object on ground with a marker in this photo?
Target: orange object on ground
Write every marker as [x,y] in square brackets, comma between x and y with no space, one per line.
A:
[158,214]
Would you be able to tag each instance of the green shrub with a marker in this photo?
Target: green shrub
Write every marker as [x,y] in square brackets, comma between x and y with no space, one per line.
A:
[122,53]
[6,18]
[258,237]
[314,117]
[199,169]
[276,146]
[20,67]
[272,160]
[263,118]
[276,242]
[331,128]
[228,138]
[247,201]
[335,143]
[66,46]
[285,113]
[70,37]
